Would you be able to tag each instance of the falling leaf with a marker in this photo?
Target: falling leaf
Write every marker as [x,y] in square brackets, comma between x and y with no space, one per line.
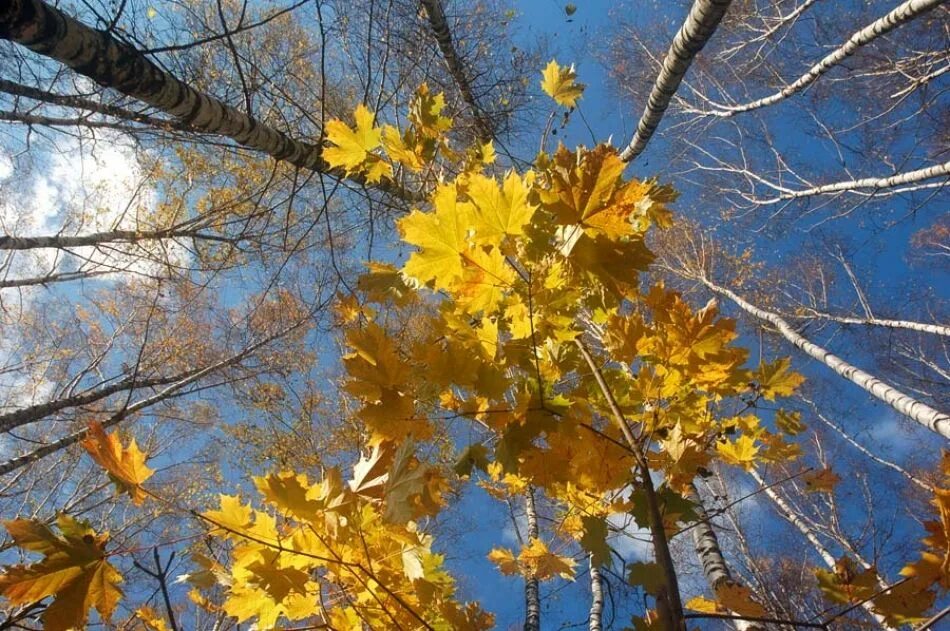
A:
[560,84]
[822,481]
[125,466]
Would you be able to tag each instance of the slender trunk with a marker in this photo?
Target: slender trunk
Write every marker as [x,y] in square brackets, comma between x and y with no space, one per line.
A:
[875,183]
[117,65]
[99,238]
[904,13]
[91,105]
[864,450]
[700,24]
[790,516]
[910,325]
[532,594]
[669,602]
[50,279]
[39,411]
[596,596]
[706,544]
[920,412]
[440,28]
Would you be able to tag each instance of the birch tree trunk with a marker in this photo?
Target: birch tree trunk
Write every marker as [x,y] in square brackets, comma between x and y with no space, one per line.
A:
[596,597]
[532,594]
[440,28]
[706,544]
[920,412]
[790,516]
[701,22]
[114,64]
[900,15]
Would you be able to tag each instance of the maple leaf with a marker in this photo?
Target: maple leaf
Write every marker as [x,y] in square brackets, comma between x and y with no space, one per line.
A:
[412,489]
[125,466]
[534,560]
[291,492]
[560,84]
[740,453]
[475,456]
[594,539]
[425,112]
[74,571]
[500,211]
[351,147]
[702,604]
[151,620]
[371,472]
[646,575]
[789,422]
[777,379]
[822,481]
[738,599]
[505,560]
[847,585]
[384,283]
[266,587]
[538,561]
[441,236]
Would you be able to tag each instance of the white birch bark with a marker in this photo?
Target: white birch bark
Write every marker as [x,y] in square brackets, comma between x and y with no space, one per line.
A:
[596,597]
[117,65]
[532,593]
[701,22]
[706,545]
[790,516]
[918,411]
[910,325]
[853,186]
[902,14]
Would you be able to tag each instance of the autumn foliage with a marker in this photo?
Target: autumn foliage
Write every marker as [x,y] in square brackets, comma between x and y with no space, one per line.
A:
[577,376]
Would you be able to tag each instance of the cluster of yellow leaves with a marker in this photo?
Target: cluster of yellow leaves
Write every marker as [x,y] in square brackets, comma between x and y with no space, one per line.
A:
[523,264]
[534,561]
[125,465]
[74,571]
[335,552]
[730,598]
[355,149]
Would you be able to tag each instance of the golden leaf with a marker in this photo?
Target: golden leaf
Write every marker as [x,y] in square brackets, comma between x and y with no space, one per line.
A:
[74,571]
[560,84]
[125,466]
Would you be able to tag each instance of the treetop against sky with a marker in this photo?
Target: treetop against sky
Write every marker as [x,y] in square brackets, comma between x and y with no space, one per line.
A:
[417,314]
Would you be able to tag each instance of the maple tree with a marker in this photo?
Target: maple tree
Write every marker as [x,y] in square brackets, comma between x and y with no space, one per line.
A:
[527,349]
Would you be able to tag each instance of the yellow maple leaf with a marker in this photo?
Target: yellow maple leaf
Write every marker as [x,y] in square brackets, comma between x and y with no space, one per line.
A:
[125,466]
[777,379]
[74,571]
[702,604]
[351,147]
[151,620]
[442,238]
[538,561]
[740,453]
[560,84]
[738,599]
[425,112]
[505,560]
[499,211]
